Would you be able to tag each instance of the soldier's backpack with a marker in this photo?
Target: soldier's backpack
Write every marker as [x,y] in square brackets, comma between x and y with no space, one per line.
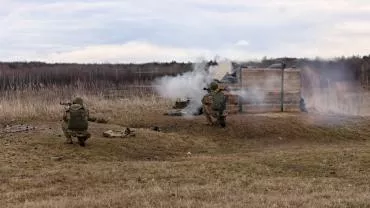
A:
[218,101]
[78,118]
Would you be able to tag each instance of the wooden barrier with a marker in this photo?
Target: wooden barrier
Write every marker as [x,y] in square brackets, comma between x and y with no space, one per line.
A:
[263,89]
[232,99]
[232,109]
[262,108]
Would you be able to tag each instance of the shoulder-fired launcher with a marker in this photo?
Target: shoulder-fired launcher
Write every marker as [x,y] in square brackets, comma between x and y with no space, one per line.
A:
[66,103]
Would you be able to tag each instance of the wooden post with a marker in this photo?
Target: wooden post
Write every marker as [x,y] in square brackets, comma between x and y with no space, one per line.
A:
[241,89]
[282,89]
[328,96]
[366,78]
[116,78]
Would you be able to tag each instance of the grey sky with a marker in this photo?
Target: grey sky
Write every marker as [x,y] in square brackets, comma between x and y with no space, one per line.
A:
[166,30]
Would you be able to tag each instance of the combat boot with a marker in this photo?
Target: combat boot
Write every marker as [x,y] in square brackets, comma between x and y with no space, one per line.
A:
[222,122]
[81,141]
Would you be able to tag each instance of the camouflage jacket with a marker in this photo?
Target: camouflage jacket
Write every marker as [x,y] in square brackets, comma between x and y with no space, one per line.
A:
[66,115]
[208,98]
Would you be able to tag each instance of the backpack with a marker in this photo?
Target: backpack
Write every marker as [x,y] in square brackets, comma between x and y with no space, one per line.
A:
[78,118]
[218,101]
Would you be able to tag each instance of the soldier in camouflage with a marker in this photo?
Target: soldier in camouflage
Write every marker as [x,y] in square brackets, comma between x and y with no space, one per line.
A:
[214,105]
[75,122]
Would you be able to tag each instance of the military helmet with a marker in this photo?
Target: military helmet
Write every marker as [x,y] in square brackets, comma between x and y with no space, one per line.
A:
[78,100]
[213,86]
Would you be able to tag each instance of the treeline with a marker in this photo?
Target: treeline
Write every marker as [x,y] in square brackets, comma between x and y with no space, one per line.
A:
[36,75]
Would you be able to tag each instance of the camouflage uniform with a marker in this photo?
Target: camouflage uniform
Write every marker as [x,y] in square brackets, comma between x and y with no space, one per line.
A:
[82,135]
[209,112]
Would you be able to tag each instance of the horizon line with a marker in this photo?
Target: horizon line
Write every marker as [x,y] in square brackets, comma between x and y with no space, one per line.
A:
[191,62]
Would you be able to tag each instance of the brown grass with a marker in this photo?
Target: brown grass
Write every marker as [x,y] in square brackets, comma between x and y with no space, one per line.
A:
[44,104]
[261,160]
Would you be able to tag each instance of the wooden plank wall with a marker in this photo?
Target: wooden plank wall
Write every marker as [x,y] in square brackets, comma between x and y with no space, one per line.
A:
[264,86]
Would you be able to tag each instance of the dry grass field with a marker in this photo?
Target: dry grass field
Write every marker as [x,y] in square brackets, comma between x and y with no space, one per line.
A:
[258,160]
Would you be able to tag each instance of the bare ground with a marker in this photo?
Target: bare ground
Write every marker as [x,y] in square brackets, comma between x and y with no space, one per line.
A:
[262,160]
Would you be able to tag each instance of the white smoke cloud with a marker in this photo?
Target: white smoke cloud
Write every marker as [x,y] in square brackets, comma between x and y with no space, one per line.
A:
[251,95]
[190,84]
[325,94]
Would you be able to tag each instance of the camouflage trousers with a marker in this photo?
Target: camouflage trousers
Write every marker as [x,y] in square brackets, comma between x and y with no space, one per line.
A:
[214,117]
[82,136]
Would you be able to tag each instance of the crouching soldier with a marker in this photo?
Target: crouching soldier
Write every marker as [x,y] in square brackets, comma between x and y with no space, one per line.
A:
[75,122]
[214,106]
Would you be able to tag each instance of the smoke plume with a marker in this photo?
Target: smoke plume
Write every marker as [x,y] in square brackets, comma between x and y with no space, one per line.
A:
[333,90]
[190,85]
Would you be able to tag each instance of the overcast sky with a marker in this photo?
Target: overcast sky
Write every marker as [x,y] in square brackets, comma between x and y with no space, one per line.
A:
[181,30]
